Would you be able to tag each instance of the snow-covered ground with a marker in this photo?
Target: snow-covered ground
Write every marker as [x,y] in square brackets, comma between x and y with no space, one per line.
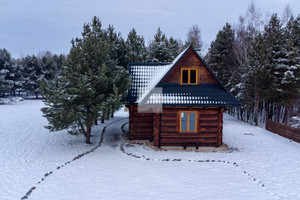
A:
[261,166]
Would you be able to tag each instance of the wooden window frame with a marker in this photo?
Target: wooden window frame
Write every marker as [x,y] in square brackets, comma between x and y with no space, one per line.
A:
[189,76]
[188,122]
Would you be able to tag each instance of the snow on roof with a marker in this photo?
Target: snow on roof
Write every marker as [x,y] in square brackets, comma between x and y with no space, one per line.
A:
[161,72]
[146,77]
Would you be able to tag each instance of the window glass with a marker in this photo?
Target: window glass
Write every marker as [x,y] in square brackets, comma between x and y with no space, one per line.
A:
[193,76]
[184,121]
[192,121]
[188,121]
[185,76]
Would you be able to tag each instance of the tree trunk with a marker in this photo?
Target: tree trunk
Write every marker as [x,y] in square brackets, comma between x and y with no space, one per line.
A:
[242,113]
[88,134]
[102,117]
[287,109]
[278,113]
[256,110]
[112,114]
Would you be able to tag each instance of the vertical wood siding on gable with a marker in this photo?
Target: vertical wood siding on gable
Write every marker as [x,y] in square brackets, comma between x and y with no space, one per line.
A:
[190,59]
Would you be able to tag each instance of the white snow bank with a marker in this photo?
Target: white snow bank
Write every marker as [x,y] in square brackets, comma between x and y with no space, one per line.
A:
[10,100]
[28,151]
[295,122]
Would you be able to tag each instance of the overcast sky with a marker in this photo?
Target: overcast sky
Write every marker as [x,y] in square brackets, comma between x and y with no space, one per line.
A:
[30,26]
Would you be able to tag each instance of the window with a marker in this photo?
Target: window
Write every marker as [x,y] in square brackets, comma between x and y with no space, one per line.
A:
[188,121]
[189,75]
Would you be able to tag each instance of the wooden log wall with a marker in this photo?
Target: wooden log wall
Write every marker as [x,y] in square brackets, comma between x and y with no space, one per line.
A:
[209,128]
[140,124]
[145,126]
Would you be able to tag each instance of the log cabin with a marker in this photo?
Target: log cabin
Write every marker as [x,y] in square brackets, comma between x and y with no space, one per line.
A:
[177,104]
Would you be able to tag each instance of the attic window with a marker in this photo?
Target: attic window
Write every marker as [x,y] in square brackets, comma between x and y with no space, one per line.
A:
[189,75]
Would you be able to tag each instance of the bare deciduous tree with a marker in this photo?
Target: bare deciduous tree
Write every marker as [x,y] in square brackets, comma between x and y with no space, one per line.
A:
[194,37]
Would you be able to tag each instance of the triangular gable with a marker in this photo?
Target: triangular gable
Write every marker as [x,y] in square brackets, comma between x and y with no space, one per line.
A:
[168,68]
[209,70]
[163,73]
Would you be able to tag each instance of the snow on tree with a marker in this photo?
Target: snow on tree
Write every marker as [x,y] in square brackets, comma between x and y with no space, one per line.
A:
[290,82]
[158,50]
[89,84]
[173,46]
[220,55]
[256,81]
[32,74]
[51,64]
[116,47]
[6,72]
[291,77]
[276,55]
[135,47]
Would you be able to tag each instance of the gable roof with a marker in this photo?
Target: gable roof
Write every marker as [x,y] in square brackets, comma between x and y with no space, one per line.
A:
[147,76]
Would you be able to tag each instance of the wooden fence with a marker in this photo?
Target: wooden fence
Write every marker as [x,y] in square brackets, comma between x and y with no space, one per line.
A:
[283,130]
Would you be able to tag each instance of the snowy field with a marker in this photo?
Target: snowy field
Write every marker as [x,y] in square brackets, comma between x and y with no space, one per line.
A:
[261,165]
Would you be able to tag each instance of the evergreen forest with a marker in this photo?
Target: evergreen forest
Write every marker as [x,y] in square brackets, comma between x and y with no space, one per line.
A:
[257,60]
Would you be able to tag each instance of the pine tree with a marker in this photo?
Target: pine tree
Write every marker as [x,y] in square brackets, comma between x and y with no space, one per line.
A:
[158,50]
[220,55]
[135,47]
[273,37]
[89,79]
[173,47]
[116,48]
[257,78]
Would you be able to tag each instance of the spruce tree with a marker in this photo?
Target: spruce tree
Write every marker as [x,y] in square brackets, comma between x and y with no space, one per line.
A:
[6,72]
[290,83]
[32,73]
[90,80]
[273,37]
[51,64]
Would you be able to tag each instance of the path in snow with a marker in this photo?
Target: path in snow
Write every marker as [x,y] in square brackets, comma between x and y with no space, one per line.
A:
[108,173]
[123,178]
[266,158]
[28,151]
[28,193]
[251,177]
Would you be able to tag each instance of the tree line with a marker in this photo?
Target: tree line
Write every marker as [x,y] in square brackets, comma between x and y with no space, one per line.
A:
[260,64]
[23,76]
[90,83]
[19,76]
[93,82]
